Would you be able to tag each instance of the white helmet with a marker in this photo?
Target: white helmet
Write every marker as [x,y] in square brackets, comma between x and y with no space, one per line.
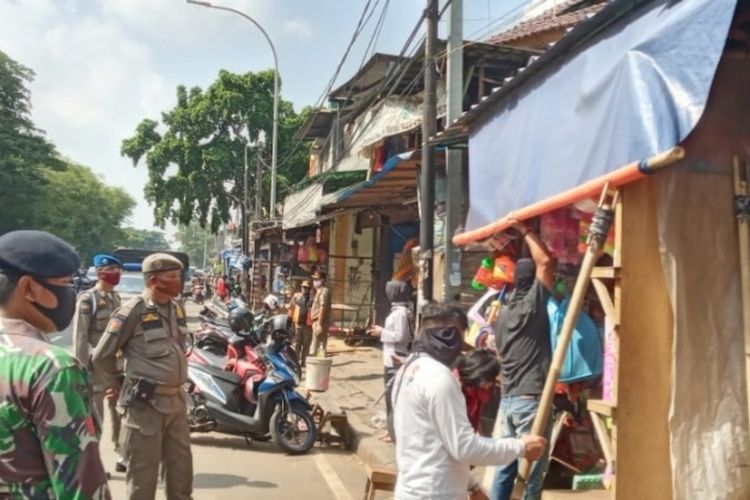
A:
[272,301]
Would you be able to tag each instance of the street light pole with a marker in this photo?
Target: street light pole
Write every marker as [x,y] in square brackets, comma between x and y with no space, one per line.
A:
[274,134]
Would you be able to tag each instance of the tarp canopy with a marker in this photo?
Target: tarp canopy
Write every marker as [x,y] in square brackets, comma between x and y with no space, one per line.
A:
[396,183]
[635,89]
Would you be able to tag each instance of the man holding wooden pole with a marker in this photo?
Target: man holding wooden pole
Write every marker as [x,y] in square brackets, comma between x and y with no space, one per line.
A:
[523,342]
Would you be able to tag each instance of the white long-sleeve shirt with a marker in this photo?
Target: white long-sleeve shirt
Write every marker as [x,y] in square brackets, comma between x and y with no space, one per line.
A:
[396,334]
[435,443]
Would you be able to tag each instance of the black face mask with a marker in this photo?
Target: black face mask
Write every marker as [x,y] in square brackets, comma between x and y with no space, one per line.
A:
[442,343]
[66,305]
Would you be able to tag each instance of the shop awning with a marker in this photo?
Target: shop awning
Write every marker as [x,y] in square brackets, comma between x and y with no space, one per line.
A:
[396,183]
[627,84]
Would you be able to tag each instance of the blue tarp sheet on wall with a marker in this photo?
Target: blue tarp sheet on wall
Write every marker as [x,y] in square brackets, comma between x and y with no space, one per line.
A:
[636,89]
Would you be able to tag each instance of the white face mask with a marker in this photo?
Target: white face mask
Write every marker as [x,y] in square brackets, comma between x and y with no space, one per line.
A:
[317,283]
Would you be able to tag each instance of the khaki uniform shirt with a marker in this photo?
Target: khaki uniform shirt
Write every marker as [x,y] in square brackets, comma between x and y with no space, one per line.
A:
[321,307]
[93,311]
[152,339]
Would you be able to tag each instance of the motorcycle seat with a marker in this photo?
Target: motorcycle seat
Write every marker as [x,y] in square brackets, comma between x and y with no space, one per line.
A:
[222,374]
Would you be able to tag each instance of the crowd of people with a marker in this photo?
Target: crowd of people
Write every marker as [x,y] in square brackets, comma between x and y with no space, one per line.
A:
[51,401]
[131,357]
[437,387]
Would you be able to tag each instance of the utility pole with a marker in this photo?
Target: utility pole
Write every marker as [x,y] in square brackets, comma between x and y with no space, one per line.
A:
[427,175]
[245,222]
[454,157]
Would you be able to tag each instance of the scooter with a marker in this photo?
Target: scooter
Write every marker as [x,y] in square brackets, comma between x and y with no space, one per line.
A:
[224,401]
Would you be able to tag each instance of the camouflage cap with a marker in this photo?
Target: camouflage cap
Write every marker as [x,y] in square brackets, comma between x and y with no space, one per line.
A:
[160,262]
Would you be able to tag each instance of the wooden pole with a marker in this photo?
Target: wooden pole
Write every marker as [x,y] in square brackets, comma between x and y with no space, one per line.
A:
[741,177]
[571,318]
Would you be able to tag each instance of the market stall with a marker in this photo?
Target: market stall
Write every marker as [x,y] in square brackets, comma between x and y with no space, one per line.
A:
[634,81]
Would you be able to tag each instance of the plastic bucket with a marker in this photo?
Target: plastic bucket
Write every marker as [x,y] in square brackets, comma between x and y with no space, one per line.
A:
[318,375]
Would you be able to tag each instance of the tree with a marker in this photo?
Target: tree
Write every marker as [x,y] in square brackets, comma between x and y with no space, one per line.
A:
[24,152]
[144,239]
[78,207]
[196,165]
[194,240]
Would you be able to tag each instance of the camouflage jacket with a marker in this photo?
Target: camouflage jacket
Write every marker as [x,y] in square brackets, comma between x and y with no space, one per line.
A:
[48,437]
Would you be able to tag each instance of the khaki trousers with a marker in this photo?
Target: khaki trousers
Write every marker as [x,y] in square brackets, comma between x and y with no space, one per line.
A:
[150,438]
[319,340]
[114,416]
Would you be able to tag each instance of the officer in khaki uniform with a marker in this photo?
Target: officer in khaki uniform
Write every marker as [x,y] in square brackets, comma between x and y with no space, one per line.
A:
[151,331]
[93,311]
[320,314]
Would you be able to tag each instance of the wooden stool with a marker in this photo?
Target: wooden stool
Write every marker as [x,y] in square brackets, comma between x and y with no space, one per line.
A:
[379,479]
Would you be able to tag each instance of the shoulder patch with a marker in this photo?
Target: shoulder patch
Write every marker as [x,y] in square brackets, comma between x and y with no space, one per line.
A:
[85,307]
[115,324]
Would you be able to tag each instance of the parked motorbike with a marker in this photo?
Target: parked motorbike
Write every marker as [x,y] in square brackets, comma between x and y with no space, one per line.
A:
[257,398]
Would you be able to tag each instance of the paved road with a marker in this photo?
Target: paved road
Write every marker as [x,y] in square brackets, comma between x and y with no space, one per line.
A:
[226,467]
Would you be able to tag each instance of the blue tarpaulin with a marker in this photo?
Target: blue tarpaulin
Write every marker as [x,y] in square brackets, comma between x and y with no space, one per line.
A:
[634,90]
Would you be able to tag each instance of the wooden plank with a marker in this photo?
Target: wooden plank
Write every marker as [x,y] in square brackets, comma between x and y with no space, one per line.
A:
[601,407]
[605,273]
[606,300]
[740,179]
[645,357]
[603,437]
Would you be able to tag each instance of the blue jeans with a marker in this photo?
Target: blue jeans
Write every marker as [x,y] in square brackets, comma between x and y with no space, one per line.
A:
[516,415]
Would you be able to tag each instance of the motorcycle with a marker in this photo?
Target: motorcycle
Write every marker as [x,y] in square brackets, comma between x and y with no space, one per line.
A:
[257,399]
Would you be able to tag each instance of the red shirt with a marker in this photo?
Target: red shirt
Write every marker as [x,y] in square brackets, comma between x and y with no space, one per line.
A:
[221,288]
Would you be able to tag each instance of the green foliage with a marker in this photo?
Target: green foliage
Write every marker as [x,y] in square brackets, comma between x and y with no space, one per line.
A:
[195,157]
[194,240]
[144,239]
[38,190]
[78,207]
[24,152]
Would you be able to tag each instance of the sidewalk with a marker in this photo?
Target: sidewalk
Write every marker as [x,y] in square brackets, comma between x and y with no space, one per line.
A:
[356,385]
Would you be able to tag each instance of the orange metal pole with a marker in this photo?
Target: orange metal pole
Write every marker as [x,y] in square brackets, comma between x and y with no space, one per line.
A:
[629,173]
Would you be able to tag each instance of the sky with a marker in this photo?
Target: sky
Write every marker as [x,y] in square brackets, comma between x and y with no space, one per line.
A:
[102,66]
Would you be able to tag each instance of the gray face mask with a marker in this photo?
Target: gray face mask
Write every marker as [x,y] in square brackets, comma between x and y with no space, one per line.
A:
[61,315]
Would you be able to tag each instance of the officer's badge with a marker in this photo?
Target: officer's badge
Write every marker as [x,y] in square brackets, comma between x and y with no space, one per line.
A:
[150,321]
[180,313]
[85,307]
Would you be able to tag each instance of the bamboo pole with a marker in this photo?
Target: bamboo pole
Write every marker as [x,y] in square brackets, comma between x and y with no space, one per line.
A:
[741,177]
[571,318]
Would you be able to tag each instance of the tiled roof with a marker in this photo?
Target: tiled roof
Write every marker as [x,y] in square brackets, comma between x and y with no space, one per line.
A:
[564,15]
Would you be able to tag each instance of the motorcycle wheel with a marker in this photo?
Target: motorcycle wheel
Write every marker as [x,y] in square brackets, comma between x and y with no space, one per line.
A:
[287,426]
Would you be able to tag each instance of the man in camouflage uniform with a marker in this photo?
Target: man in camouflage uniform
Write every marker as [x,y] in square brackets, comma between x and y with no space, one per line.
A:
[151,330]
[93,311]
[48,435]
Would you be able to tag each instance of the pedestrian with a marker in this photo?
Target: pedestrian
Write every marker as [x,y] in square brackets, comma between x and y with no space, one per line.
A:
[321,314]
[151,330]
[93,311]
[299,310]
[477,372]
[396,336]
[435,443]
[522,337]
[49,438]
[221,288]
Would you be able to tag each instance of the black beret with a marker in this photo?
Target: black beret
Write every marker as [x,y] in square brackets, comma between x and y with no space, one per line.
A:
[37,253]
